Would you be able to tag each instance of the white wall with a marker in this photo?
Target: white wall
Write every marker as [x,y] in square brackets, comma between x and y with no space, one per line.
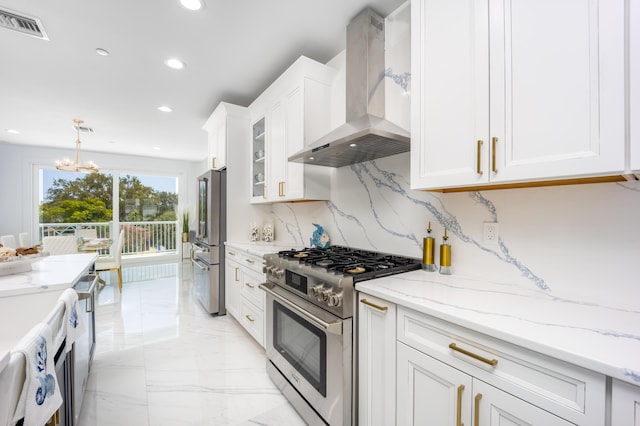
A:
[18,194]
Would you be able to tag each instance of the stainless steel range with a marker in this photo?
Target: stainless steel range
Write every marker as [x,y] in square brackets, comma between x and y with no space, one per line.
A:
[309,314]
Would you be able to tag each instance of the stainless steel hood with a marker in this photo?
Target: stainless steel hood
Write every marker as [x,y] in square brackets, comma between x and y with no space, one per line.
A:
[366,135]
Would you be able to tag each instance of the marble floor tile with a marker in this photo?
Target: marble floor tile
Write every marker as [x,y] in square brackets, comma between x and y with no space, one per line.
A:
[160,359]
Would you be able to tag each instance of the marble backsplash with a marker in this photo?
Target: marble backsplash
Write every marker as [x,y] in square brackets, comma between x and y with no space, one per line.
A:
[577,242]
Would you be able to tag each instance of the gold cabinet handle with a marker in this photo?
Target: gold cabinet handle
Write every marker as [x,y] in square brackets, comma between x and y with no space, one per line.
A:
[459,407]
[281,189]
[250,261]
[237,269]
[230,253]
[264,191]
[250,318]
[250,285]
[213,162]
[494,166]
[476,410]
[373,305]
[491,362]
[479,157]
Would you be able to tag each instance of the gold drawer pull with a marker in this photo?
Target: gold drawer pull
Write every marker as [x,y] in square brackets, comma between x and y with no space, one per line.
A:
[459,407]
[492,362]
[476,410]
[250,285]
[494,166]
[250,318]
[250,261]
[281,189]
[231,253]
[237,269]
[479,159]
[373,305]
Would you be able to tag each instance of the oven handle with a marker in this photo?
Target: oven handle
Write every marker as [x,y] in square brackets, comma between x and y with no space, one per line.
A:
[333,327]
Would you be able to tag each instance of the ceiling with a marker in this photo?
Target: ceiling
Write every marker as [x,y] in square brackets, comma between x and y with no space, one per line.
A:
[233,50]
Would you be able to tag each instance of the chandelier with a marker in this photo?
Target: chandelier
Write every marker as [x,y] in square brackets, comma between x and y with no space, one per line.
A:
[75,166]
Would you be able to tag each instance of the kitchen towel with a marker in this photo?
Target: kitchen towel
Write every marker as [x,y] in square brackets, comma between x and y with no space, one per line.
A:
[40,397]
[73,324]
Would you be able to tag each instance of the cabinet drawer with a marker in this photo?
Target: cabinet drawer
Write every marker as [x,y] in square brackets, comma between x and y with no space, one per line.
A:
[559,387]
[252,319]
[250,290]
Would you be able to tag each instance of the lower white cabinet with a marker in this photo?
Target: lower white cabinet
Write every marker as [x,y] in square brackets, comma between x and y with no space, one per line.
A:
[244,300]
[376,361]
[432,392]
[625,404]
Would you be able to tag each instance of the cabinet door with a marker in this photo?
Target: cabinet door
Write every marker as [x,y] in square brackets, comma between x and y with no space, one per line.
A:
[276,152]
[258,160]
[634,83]
[450,95]
[556,88]
[625,404]
[233,281]
[376,361]
[429,391]
[292,186]
[493,407]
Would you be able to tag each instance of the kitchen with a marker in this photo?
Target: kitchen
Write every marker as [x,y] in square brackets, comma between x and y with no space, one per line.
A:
[550,238]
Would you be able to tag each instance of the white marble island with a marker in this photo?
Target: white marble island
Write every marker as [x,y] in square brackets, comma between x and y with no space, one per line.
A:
[26,298]
[600,338]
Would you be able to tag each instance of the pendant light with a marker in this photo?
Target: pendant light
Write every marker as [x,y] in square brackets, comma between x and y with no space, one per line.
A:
[67,165]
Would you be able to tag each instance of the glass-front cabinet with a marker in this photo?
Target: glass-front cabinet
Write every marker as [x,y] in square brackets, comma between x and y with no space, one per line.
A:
[258,150]
[294,111]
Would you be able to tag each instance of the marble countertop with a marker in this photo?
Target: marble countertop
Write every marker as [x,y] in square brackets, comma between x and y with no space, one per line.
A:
[604,339]
[261,248]
[48,274]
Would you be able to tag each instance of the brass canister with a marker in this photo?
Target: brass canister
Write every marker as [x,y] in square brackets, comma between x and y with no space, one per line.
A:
[445,255]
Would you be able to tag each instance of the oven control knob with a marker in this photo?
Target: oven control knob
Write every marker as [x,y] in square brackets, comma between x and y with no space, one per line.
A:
[335,300]
[324,295]
[316,292]
[278,272]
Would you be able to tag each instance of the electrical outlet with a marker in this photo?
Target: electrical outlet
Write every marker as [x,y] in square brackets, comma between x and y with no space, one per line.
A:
[490,235]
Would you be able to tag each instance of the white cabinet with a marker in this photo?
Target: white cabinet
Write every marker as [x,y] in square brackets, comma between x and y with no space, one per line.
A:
[291,113]
[625,404]
[244,300]
[634,84]
[233,281]
[227,124]
[442,368]
[431,392]
[376,361]
[512,92]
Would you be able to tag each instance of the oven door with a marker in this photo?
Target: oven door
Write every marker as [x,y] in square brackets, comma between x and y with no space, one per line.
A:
[312,349]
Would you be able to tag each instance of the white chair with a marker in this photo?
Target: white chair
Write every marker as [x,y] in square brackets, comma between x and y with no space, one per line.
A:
[88,233]
[25,239]
[62,244]
[113,262]
[8,241]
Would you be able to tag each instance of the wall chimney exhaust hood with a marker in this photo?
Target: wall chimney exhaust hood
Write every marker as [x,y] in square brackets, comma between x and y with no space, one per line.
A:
[366,135]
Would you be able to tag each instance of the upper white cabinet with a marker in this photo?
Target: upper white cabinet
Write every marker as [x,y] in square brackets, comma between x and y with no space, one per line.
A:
[292,113]
[227,124]
[634,83]
[516,91]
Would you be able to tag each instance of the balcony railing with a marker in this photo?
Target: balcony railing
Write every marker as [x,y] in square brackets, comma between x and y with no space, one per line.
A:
[139,237]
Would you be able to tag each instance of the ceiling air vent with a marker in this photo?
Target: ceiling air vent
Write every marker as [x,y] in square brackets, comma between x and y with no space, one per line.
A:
[24,24]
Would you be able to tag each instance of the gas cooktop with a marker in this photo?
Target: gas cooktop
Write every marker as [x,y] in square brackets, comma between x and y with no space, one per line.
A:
[358,263]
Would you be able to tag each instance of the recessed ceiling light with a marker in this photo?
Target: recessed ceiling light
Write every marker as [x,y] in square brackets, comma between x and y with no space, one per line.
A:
[174,63]
[192,4]
[102,52]
[312,158]
[352,145]
[157,148]
[165,108]
[14,131]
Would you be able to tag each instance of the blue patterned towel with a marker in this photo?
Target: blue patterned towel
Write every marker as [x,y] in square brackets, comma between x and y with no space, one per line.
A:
[74,327]
[40,397]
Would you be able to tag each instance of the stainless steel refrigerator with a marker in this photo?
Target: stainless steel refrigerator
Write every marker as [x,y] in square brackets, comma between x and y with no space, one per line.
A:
[208,254]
